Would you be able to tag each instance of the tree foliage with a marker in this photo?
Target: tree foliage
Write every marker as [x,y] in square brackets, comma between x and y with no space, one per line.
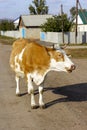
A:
[73,11]
[6,25]
[56,24]
[38,7]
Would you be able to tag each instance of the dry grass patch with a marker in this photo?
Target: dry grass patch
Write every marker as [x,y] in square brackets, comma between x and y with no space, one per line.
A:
[78,53]
[6,40]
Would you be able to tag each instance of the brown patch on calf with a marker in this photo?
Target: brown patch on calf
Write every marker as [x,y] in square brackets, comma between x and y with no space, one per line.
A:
[58,56]
[35,56]
[17,47]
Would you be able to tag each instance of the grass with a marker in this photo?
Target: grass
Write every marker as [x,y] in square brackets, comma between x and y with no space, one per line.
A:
[78,53]
[75,53]
[78,44]
[6,40]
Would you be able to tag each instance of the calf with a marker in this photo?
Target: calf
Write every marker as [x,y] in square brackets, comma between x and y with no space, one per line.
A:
[34,61]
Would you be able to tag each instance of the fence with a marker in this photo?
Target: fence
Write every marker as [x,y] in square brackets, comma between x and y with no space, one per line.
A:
[22,33]
[15,34]
[54,37]
[69,37]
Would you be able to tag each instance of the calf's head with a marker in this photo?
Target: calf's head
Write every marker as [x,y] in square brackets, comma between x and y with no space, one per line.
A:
[60,61]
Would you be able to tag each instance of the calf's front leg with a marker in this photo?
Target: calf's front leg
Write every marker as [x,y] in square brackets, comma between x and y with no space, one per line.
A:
[41,103]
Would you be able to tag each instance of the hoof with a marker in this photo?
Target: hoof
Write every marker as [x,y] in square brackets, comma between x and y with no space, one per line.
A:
[34,106]
[43,106]
[18,94]
[29,93]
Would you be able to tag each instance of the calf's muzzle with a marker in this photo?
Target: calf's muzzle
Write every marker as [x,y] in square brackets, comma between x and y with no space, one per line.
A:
[73,67]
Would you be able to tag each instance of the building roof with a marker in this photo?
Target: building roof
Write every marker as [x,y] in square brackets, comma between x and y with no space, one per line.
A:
[16,20]
[34,20]
[83,16]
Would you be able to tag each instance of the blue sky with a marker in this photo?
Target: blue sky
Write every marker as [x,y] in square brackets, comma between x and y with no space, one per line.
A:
[14,8]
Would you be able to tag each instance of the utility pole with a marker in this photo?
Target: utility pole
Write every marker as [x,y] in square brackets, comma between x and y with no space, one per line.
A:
[62,23]
[76,31]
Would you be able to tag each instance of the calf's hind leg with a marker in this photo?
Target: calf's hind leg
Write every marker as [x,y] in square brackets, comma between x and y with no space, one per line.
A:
[31,91]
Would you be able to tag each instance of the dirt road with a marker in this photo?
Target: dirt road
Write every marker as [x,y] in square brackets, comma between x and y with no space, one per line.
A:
[65,96]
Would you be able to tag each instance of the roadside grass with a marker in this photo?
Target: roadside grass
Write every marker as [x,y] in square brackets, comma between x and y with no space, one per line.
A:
[75,53]
[7,40]
[78,53]
[78,44]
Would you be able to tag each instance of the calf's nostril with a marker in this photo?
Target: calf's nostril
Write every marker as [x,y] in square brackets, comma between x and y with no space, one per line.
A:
[73,67]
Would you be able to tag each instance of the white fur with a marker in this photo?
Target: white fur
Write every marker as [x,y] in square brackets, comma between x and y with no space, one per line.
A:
[17,87]
[21,54]
[61,65]
[31,90]
[18,71]
[37,78]
[41,103]
[68,63]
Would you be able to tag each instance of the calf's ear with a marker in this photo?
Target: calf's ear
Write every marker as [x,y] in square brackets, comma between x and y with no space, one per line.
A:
[64,46]
[56,46]
[69,56]
[50,54]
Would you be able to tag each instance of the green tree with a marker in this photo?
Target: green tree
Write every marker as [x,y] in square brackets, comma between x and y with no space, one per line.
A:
[38,7]
[57,23]
[6,25]
[73,11]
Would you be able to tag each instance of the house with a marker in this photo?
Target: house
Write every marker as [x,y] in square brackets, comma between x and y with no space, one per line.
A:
[16,22]
[29,25]
[82,21]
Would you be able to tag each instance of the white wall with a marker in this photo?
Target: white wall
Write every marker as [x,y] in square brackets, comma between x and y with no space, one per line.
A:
[16,34]
[79,20]
[82,28]
[69,37]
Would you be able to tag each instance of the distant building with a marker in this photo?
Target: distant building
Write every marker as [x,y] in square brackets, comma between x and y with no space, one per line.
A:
[30,25]
[16,22]
[82,21]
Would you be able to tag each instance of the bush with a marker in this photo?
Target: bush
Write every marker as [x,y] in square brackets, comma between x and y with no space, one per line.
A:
[56,24]
[6,25]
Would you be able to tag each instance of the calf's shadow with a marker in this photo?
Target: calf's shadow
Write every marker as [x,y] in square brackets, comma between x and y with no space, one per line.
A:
[71,93]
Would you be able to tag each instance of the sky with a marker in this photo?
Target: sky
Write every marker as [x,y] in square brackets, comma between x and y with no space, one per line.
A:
[12,9]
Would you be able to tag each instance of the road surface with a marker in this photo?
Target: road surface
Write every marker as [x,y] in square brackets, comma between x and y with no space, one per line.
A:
[65,96]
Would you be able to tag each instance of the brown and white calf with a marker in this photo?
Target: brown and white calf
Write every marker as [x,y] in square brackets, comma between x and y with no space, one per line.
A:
[34,61]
